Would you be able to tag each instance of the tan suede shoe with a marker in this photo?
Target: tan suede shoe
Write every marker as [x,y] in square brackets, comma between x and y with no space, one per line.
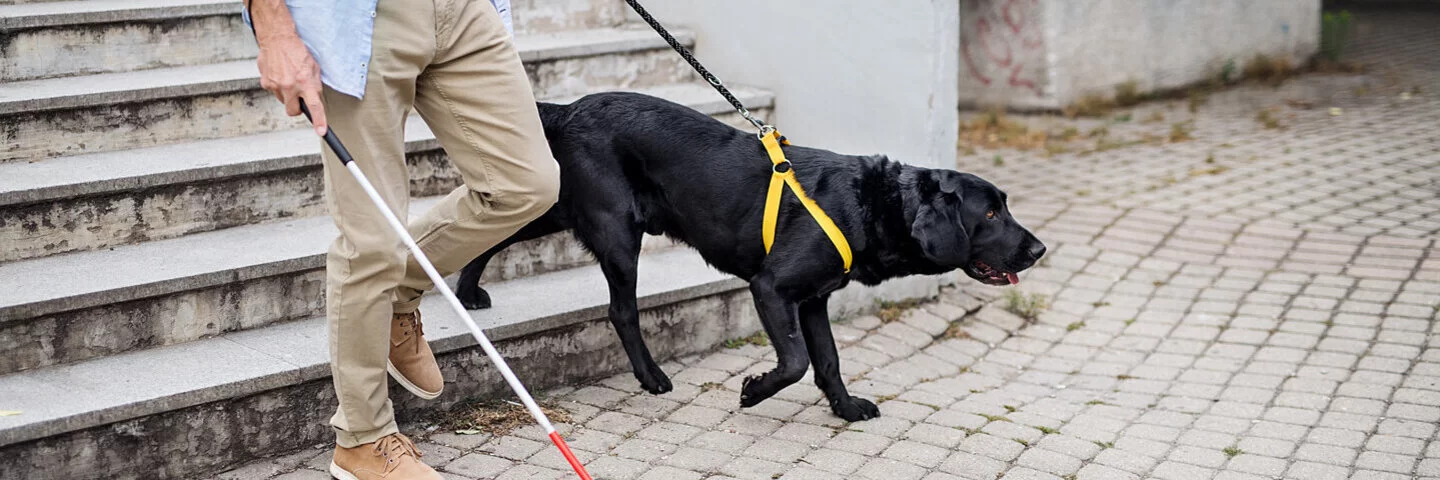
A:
[393,457]
[411,361]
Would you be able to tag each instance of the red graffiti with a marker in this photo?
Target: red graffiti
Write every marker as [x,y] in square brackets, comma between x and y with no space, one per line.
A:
[1000,40]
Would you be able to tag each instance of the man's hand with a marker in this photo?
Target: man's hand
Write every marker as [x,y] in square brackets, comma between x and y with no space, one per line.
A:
[286,68]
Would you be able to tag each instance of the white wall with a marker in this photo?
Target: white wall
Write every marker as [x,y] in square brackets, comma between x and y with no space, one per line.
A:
[1061,50]
[1164,44]
[852,76]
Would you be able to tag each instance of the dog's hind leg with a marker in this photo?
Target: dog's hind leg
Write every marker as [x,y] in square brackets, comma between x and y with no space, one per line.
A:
[616,245]
[780,319]
[815,324]
[468,285]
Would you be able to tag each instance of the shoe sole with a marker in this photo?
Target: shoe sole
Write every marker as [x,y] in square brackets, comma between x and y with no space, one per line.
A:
[405,382]
[340,473]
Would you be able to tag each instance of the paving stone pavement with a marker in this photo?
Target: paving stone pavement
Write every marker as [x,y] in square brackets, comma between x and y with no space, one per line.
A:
[1271,319]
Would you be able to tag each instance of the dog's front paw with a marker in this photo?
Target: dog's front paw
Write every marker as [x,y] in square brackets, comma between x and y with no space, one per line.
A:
[855,409]
[750,394]
[654,380]
[473,297]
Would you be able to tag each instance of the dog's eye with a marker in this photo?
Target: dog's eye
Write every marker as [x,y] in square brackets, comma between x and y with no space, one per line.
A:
[990,215]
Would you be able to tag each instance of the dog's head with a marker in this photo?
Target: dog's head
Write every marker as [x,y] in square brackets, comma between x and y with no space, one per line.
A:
[963,222]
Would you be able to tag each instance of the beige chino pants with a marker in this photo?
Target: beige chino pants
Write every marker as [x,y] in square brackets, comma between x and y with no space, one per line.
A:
[453,61]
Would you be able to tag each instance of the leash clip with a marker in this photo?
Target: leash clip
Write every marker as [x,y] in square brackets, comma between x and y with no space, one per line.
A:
[765,131]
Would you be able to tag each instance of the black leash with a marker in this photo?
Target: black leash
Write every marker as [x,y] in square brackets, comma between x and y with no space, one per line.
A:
[705,74]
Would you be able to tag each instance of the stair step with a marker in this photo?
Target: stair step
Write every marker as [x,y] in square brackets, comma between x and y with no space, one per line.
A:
[59,310]
[274,379]
[100,200]
[59,39]
[114,111]
[55,14]
[106,36]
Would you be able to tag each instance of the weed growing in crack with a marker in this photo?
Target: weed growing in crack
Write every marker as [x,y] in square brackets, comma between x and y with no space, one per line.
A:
[758,339]
[1026,306]
[892,310]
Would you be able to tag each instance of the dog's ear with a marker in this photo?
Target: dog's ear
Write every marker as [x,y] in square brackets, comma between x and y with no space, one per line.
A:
[948,182]
[941,235]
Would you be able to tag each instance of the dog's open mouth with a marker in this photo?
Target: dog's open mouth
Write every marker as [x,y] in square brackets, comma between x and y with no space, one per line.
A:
[991,276]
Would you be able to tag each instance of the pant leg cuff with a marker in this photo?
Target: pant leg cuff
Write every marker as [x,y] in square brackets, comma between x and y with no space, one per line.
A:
[405,307]
[355,439]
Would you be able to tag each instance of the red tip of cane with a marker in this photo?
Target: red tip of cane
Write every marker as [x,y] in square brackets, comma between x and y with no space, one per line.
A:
[569,456]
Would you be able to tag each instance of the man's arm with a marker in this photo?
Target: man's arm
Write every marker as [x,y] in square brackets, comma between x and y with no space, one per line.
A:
[286,68]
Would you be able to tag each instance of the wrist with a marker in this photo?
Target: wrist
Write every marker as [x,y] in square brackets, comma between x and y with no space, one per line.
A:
[272,21]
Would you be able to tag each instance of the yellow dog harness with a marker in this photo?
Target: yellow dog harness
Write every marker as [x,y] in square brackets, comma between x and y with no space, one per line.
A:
[783,174]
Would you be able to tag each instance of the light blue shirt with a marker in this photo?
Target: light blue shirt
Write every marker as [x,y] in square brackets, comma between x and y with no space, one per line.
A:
[338,35]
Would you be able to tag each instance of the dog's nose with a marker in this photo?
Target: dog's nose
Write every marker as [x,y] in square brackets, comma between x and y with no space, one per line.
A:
[1036,251]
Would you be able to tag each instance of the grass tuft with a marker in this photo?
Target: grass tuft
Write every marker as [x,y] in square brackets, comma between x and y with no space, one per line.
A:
[1128,93]
[1026,306]
[993,129]
[892,310]
[1267,118]
[1334,34]
[1089,105]
[1270,70]
[758,339]
[1180,132]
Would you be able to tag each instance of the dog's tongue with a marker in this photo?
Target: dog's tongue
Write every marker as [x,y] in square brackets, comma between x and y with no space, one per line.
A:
[1013,278]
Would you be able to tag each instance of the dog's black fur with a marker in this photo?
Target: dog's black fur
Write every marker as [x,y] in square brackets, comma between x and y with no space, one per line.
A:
[633,164]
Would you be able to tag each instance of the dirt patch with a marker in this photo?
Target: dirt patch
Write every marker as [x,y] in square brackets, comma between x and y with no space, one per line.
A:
[993,130]
[497,417]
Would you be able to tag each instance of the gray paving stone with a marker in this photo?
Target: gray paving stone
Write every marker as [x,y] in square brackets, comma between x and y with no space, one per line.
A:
[1126,461]
[859,442]
[644,450]
[1372,460]
[1049,461]
[885,468]
[304,475]
[479,465]
[670,473]
[1316,471]
[1181,471]
[696,459]
[835,461]
[257,470]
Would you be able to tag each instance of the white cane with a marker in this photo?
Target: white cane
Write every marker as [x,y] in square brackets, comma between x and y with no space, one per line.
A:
[450,297]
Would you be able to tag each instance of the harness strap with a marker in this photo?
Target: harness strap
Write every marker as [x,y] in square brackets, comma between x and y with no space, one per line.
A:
[782,174]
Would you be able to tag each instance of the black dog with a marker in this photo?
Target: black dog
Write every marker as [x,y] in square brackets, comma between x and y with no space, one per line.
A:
[632,164]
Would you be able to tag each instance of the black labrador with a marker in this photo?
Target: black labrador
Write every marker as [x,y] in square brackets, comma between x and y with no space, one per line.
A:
[633,164]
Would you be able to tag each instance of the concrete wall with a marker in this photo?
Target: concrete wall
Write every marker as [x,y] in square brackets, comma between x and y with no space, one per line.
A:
[848,75]
[1048,53]
[1003,54]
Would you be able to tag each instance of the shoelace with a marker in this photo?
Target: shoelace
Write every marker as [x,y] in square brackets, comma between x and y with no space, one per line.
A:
[393,448]
[417,328]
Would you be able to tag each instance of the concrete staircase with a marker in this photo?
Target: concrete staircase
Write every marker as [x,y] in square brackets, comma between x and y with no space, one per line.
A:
[163,232]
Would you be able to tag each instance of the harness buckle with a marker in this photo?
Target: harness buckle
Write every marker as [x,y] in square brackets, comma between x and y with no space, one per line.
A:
[781,168]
